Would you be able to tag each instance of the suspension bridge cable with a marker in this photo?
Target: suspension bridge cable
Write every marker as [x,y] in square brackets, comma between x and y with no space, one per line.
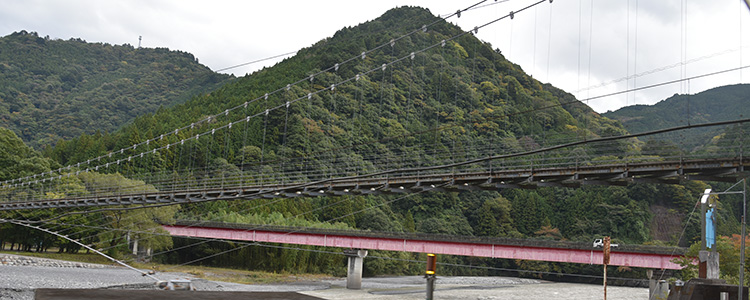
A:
[635,51]
[82,245]
[226,112]
[656,70]
[208,119]
[430,130]
[495,157]
[560,104]
[256,61]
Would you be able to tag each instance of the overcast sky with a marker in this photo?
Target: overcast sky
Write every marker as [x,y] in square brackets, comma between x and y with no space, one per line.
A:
[566,43]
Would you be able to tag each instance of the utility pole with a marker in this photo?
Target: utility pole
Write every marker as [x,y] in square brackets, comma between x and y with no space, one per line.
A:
[742,243]
[707,261]
[741,284]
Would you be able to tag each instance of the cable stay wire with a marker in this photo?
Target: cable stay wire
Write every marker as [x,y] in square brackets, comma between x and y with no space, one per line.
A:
[256,61]
[478,7]
[656,70]
[82,245]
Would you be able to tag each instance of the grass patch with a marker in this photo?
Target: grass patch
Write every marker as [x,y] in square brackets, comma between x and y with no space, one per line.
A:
[233,275]
[91,258]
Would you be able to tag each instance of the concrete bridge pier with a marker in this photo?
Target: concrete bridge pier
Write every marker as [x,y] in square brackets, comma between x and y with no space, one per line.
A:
[354,268]
[657,290]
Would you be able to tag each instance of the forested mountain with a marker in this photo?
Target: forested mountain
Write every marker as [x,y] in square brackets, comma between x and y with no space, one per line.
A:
[465,85]
[714,105]
[454,102]
[56,89]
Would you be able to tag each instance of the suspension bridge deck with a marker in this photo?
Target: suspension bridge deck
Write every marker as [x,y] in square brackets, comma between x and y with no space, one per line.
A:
[420,179]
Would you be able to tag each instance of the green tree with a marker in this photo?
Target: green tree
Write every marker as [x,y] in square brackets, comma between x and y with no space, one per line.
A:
[140,224]
[494,219]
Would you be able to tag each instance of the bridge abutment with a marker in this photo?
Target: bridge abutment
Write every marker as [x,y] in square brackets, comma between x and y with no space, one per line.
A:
[657,289]
[354,268]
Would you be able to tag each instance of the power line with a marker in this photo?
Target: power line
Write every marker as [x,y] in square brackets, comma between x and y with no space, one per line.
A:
[256,61]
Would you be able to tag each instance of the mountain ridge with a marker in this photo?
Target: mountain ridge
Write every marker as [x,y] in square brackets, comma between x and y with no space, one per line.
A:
[60,89]
[714,105]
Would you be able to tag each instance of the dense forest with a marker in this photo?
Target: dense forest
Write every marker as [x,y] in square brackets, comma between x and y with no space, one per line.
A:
[59,89]
[713,105]
[457,101]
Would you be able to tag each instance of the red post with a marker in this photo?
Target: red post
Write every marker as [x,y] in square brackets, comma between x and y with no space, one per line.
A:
[430,275]
[606,262]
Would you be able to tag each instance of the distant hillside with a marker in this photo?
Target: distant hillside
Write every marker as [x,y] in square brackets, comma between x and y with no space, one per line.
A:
[53,89]
[717,104]
[465,84]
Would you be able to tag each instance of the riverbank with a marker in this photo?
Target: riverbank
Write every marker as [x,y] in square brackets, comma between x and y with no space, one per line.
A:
[18,282]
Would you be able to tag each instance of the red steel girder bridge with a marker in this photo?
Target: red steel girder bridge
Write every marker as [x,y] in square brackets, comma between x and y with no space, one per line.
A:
[525,249]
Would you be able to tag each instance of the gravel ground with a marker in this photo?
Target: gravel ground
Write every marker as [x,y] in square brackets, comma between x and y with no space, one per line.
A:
[20,276]
[20,281]
[479,288]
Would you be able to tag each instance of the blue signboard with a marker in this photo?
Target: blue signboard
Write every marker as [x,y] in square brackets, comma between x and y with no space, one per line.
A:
[710,228]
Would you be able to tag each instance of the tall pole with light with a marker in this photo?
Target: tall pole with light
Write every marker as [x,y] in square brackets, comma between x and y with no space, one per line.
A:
[704,254]
[704,199]
[704,203]
[742,243]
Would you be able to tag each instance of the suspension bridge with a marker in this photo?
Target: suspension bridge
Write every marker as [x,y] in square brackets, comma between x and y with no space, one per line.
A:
[401,181]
